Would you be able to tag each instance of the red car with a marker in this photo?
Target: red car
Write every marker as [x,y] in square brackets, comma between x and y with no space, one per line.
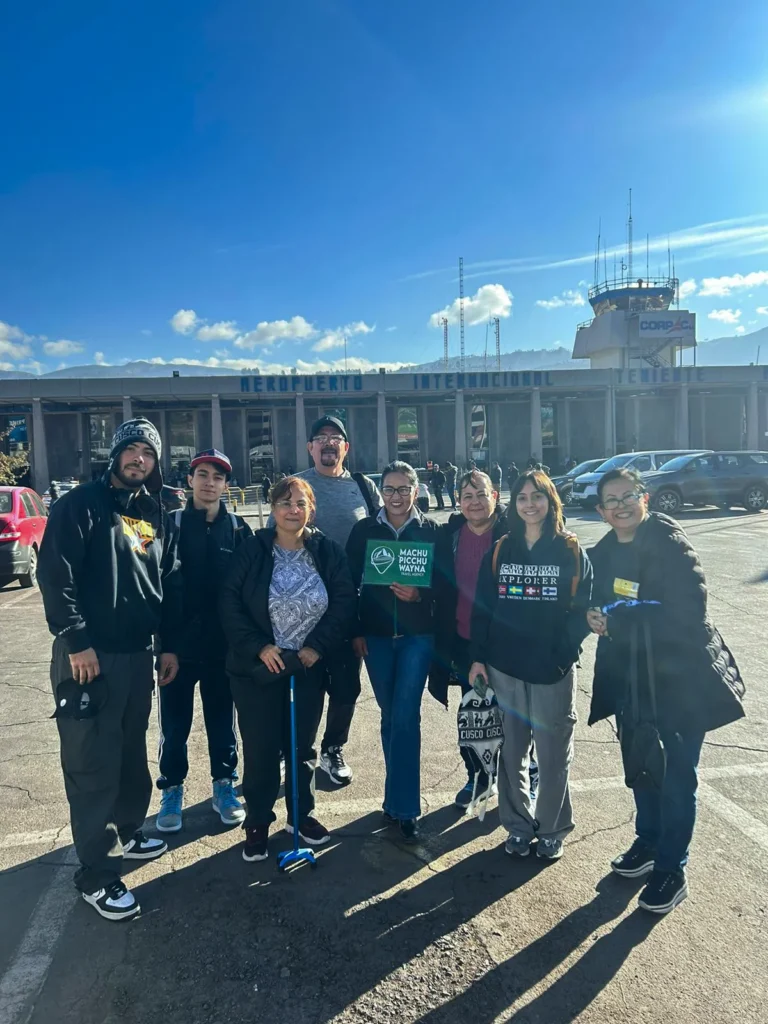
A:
[22,525]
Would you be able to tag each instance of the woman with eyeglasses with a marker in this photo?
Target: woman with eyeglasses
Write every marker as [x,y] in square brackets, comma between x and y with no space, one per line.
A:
[286,605]
[528,622]
[395,635]
[656,639]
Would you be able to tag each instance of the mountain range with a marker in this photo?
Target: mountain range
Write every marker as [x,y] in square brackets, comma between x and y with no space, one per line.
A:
[739,350]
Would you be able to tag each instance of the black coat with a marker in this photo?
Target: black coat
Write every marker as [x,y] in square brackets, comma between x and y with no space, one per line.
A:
[376,610]
[446,598]
[698,684]
[244,600]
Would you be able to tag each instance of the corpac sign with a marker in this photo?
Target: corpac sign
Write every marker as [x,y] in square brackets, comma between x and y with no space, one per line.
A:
[672,324]
[398,561]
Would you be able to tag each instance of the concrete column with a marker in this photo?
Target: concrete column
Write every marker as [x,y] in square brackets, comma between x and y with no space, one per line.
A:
[753,439]
[460,439]
[565,441]
[703,420]
[537,443]
[217,429]
[610,422]
[382,442]
[423,428]
[39,448]
[127,408]
[683,434]
[245,478]
[161,422]
[637,422]
[301,434]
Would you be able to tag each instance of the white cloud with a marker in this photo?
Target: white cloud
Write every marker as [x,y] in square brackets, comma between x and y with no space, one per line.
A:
[33,366]
[63,348]
[733,282]
[488,301]
[569,297]
[390,329]
[352,365]
[336,338]
[725,316]
[224,330]
[14,343]
[269,331]
[687,288]
[184,321]
[146,332]
[740,330]
[6,366]
[762,310]
[98,358]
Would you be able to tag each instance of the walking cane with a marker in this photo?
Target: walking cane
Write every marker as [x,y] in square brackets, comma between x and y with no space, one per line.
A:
[295,856]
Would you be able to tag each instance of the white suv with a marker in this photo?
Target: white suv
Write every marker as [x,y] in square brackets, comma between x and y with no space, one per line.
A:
[585,486]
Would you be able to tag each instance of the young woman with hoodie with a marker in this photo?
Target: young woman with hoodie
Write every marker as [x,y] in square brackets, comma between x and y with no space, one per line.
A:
[528,622]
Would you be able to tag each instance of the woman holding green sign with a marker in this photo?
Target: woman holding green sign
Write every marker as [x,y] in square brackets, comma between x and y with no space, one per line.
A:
[391,558]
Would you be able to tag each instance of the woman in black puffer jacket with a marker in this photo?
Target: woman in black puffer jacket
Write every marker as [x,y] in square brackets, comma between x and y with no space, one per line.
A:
[650,613]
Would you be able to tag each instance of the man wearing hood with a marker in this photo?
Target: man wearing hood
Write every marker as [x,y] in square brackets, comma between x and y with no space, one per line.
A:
[109,577]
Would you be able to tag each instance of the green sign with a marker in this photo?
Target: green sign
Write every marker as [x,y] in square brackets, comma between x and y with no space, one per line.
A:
[398,561]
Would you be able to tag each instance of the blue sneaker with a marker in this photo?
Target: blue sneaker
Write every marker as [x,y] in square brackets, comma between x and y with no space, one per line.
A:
[226,804]
[169,815]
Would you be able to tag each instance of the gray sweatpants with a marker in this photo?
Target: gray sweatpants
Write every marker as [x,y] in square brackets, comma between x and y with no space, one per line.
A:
[546,715]
[104,760]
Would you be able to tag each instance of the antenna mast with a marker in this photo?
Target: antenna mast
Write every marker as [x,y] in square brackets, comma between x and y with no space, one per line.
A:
[445,342]
[647,257]
[461,311]
[597,254]
[629,240]
[497,326]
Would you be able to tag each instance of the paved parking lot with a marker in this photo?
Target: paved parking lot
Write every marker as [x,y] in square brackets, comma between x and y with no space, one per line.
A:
[446,932]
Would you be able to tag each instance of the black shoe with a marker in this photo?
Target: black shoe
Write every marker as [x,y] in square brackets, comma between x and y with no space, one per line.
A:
[141,848]
[115,903]
[409,830]
[255,845]
[663,891]
[388,818]
[637,861]
[332,762]
[311,831]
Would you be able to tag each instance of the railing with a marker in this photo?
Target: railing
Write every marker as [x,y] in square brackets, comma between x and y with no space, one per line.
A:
[622,284]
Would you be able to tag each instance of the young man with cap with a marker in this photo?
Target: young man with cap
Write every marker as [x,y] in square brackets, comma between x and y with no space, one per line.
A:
[342,500]
[110,583]
[207,538]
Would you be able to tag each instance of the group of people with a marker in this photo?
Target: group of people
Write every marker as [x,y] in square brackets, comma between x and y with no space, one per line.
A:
[512,597]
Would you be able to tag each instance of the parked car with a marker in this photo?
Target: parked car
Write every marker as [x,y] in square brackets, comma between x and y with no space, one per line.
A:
[173,497]
[564,483]
[422,498]
[718,478]
[585,486]
[22,525]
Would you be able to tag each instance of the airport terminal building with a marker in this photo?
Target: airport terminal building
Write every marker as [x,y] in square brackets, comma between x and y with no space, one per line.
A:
[262,422]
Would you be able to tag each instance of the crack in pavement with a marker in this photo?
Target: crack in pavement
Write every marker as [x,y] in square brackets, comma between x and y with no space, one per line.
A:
[736,746]
[34,753]
[20,789]
[597,831]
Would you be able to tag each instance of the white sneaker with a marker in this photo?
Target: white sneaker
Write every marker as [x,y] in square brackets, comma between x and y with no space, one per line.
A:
[141,848]
[333,764]
[115,903]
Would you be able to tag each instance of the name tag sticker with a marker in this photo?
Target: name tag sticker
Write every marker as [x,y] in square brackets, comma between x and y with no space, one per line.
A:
[625,588]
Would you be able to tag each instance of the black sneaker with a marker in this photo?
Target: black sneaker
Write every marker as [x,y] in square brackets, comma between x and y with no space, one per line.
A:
[387,818]
[311,831]
[142,848]
[663,891]
[115,903]
[409,830]
[637,861]
[333,764]
[255,845]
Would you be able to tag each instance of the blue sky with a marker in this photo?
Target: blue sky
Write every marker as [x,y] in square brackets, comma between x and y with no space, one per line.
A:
[249,182]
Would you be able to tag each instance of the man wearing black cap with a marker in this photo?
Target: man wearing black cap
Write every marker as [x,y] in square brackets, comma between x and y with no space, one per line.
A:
[109,577]
[208,537]
[342,499]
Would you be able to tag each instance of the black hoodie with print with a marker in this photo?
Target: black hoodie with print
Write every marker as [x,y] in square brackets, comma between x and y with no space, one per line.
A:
[108,571]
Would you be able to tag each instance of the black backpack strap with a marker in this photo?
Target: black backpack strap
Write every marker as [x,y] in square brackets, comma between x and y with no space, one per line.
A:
[366,489]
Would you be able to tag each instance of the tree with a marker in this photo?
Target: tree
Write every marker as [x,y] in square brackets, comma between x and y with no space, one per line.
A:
[11,466]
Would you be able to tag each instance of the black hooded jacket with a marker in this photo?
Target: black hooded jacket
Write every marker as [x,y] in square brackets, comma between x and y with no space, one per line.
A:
[697,681]
[108,571]
[205,551]
[244,599]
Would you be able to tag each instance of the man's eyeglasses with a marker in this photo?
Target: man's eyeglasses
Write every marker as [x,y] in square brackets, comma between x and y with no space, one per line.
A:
[402,491]
[610,504]
[328,439]
[289,506]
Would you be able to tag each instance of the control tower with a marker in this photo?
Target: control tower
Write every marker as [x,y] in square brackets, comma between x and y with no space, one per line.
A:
[634,323]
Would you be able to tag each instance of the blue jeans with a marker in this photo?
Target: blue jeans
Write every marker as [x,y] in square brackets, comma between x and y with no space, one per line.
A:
[665,819]
[398,668]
